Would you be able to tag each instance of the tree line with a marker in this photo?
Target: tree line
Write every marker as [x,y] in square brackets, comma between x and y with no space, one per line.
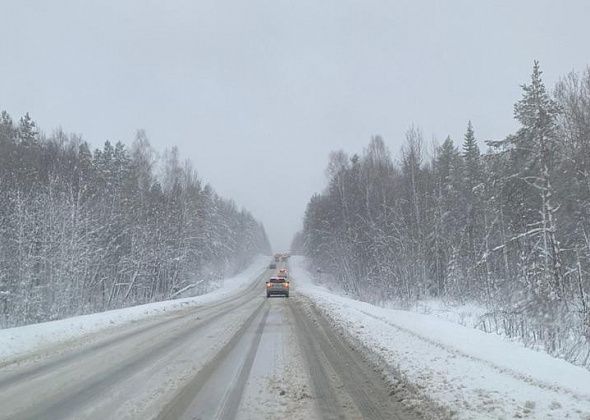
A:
[508,228]
[84,231]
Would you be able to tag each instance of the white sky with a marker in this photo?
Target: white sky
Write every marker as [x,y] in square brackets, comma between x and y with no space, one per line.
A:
[256,93]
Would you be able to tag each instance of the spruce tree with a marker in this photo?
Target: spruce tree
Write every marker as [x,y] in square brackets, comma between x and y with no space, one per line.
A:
[471,157]
[536,144]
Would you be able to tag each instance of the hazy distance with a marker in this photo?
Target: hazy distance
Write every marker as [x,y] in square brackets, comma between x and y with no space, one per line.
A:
[257,93]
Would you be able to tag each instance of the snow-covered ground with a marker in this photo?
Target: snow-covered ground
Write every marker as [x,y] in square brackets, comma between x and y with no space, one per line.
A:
[466,314]
[21,341]
[476,375]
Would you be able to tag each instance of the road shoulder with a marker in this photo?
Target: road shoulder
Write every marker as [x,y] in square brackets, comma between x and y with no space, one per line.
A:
[347,379]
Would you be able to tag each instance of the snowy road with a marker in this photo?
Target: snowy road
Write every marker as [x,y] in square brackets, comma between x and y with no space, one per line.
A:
[241,357]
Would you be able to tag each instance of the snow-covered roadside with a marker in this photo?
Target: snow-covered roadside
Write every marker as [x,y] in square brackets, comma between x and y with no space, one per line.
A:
[466,314]
[19,341]
[474,374]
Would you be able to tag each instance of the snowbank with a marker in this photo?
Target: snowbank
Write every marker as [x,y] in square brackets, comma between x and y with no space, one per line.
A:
[19,341]
[466,314]
[476,375]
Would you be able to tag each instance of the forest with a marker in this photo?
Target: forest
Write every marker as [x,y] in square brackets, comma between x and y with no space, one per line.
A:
[85,231]
[507,228]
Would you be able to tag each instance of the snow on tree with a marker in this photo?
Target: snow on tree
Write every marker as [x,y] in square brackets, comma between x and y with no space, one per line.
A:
[508,229]
[84,232]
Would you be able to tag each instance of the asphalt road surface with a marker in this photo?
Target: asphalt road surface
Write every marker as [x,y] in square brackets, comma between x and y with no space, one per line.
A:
[244,357]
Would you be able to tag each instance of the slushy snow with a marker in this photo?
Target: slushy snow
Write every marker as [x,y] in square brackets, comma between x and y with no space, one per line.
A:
[475,374]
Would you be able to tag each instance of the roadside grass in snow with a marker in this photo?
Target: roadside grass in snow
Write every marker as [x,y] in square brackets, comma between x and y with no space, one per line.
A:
[511,324]
[473,374]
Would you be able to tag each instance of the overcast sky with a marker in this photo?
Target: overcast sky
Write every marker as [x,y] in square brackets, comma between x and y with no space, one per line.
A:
[256,93]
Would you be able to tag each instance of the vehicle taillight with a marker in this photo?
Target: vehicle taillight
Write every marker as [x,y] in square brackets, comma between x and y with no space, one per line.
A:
[268,284]
[286,284]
